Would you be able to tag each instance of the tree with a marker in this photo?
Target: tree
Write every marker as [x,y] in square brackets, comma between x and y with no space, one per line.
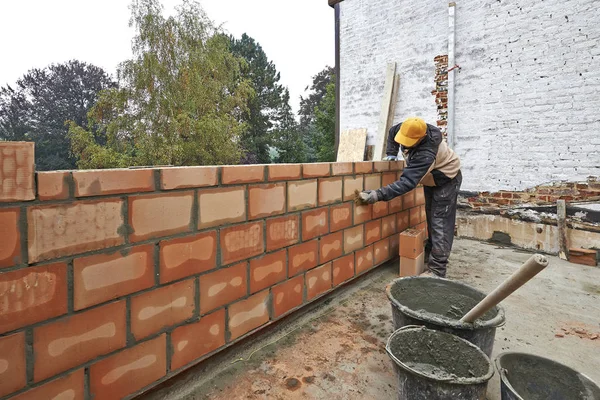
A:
[180,99]
[288,136]
[325,125]
[265,105]
[41,102]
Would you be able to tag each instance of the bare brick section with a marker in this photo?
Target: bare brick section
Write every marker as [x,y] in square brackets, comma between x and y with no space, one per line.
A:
[266,200]
[67,387]
[188,177]
[380,209]
[316,170]
[288,296]
[373,182]
[388,226]
[381,166]
[411,243]
[53,185]
[364,259]
[395,205]
[415,216]
[187,256]
[10,244]
[318,281]
[17,166]
[362,213]
[285,172]
[74,340]
[403,221]
[223,287]
[419,196]
[282,232]
[409,200]
[352,184]
[302,195]
[388,178]
[249,314]
[372,231]
[32,295]
[160,215]
[315,223]
[365,167]
[343,269]
[129,371]
[268,270]
[302,257]
[242,174]
[423,214]
[160,308]
[353,239]
[342,168]
[193,341]
[103,277]
[112,181]
[13,373]
[340,217]
[382,251]
[221,206]
[330,190]
[241,242]
[65,229]
[397,165]
[330,247]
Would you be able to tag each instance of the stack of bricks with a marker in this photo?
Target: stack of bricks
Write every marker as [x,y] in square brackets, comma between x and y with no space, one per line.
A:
[113,281]
[412,254]
[441,92]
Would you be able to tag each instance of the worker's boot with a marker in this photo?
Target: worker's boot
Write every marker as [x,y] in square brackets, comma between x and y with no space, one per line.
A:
[429,274]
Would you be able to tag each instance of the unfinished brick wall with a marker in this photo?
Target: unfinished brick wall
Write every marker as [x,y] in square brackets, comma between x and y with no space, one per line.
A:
[113,281]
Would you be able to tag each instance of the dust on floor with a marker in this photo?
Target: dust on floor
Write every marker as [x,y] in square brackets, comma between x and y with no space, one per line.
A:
[336,349]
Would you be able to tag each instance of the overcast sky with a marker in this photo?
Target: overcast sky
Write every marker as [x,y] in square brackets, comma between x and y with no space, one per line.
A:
[298,36]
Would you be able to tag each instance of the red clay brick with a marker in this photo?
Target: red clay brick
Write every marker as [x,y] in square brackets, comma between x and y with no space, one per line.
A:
[104,277]
[330,191]
[223,286]
[302,195]
[343,269]
[159,308]
[380,209]
[364,259]
[352,184]
[381,166]
[266,200]
[403,222]
[67,387]
[353,239]
[363,167]
[411,243]
[381,250]
[318,281]
[419,196]
[315,170]
[330,247]
[64,229]
[53,185]
[165,214]
[10,245]
[423,214]
[241,242]
[397,165]
[395,205]
[17,169]
[415,216]
[249,314]
[412,267]
[113,181]
[285,172]
[282,232]
[221,206]
[342,168]
[340,217]
[193,341]
[12,363]
[303,257]
[388,226]
[408,200]
[288,296]
[362,213]
[243,174]
[267,270]
[315,223]
[388,178]
[188,177]
[32,295]
[423,227]
[129,371]
[183,257]
[394,245]
[372,231]
[74,340]
[372,182]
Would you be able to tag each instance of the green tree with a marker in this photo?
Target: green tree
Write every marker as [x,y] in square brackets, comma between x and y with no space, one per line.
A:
[180,99]
[288,136]
[325,125]
[40,103]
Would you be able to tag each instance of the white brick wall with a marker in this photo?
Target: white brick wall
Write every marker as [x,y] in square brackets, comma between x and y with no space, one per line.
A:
[528,94]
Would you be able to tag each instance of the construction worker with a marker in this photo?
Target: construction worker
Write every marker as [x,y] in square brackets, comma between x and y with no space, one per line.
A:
[430,162]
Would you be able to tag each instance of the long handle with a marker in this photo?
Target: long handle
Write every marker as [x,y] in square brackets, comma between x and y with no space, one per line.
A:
[531,268]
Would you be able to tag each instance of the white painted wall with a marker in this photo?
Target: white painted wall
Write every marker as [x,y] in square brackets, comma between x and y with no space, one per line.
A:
[528,94]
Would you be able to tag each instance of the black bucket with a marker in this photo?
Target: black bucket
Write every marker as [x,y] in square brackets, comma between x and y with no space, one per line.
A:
[434,365]
[439,304]
[528,377]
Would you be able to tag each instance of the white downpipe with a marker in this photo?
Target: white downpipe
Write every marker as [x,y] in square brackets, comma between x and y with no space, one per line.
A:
[451,72]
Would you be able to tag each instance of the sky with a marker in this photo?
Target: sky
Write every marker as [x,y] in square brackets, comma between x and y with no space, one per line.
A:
[297,36]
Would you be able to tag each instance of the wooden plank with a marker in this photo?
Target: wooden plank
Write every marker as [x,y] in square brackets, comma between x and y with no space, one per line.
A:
[352,145]
[381,136]
[583,256]
[392,113]
[561,211]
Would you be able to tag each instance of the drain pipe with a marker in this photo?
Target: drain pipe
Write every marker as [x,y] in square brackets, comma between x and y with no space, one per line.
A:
[451,71]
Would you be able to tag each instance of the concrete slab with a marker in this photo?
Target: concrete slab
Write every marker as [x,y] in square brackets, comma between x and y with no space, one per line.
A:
[335,349]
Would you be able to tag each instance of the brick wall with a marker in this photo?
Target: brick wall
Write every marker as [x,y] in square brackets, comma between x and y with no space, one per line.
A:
[527,105]
[112,281]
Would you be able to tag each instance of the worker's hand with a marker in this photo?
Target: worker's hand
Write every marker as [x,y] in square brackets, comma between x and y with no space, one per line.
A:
[391,158]
[367,197]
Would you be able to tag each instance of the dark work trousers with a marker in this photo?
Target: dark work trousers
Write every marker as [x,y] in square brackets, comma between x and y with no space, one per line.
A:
[440,206]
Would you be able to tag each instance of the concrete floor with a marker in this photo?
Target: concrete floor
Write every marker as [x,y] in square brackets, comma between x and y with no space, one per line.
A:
[335,349]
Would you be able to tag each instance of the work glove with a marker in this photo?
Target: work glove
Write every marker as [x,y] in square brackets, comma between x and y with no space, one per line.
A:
[364,198]
[391,158]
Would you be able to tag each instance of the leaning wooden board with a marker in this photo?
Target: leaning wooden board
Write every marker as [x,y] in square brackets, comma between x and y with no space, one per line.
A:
[388,89]
[352,145]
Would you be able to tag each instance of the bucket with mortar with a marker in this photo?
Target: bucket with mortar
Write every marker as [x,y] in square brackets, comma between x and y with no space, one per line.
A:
[439,304]
[434,365]
[528,377]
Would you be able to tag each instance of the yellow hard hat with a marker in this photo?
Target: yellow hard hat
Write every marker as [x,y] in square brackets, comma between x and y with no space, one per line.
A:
[411,131]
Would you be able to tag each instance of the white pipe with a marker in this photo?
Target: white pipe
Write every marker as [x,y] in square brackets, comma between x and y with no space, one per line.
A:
[451,64]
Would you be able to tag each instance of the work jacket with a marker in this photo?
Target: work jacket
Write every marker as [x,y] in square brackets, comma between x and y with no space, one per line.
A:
[430,163]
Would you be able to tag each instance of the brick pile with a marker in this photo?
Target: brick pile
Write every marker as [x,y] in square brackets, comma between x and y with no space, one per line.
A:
[412,253]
